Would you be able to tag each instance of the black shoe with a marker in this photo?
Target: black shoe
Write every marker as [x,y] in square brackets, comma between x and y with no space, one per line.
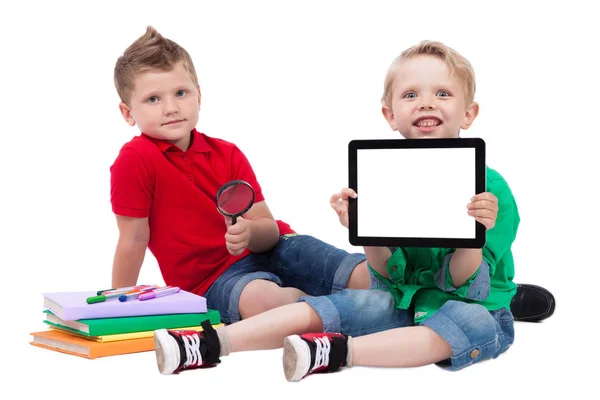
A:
[178,350]
[313,352]
[532,303]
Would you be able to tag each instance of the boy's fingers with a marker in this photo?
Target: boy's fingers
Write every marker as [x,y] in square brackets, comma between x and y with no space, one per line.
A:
[342,196]
[484,196]
[232,239]
[347,192]
[235,250]
[481,212]
[483,204]
[236,230]
[335,198]
[236,247]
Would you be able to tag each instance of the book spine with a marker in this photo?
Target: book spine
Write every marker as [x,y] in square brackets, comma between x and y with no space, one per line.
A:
[78,313]
[172,321]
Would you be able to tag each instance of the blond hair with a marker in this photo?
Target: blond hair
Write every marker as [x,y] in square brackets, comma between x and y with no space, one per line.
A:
[150,52]
[459,66]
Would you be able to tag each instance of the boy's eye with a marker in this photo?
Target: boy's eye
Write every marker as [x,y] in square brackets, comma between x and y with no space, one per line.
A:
[152,99]
[443,93]
[181,93]
[410,95]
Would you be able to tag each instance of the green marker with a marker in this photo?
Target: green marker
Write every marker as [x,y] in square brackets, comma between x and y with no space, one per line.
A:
[95,299]
[103,297]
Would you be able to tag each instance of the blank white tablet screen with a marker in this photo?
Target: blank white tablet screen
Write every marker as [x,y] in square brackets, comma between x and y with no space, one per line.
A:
[416,193]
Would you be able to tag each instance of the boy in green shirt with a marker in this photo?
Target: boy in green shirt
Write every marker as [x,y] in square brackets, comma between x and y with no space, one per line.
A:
[444,306]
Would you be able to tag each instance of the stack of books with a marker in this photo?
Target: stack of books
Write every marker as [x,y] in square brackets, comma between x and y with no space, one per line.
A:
[113,327]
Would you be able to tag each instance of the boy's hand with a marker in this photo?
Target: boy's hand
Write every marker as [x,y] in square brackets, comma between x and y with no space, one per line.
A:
[484,207]
[237,236]
[339,202]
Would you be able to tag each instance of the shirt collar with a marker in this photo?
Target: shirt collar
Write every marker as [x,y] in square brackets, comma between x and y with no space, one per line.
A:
[198,144]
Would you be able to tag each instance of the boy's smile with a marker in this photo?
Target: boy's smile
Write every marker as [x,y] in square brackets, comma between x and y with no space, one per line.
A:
[165,105]
[428,123]
[427,101]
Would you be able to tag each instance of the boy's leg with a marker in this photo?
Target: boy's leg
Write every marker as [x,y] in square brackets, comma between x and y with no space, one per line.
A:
[357,311]
[179,350]
[351,312]
[317,268]
[360,277]
[456,336]
[247,288]
[262,295]
[347,314]
[411,346]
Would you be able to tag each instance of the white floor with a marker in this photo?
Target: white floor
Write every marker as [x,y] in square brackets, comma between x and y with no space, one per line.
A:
[543,361]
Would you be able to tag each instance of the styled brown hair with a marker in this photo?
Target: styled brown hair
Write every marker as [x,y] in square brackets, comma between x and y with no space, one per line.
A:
[459,67]
[150,52]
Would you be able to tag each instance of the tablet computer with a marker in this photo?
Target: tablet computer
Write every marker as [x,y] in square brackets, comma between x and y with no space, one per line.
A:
[414,192]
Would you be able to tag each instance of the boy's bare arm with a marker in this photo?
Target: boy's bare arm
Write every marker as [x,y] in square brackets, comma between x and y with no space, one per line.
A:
[264,232]
[463,264]
[378,259]
[134,234]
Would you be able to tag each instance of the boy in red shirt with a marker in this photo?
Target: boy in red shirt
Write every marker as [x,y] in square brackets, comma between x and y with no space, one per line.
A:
[163,188]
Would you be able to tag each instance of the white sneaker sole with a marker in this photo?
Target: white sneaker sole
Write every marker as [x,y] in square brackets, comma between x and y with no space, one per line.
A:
[167,352]
[296,358]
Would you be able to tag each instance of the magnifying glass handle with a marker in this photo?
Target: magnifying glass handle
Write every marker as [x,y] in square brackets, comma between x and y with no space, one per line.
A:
[233,220]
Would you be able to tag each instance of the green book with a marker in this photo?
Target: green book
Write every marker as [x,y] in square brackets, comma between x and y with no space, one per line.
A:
[114,326]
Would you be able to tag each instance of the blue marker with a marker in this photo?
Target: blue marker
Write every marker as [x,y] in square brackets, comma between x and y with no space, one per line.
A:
[132,296]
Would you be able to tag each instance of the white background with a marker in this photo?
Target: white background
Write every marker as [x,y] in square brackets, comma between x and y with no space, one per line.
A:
[292,84]
[415,192]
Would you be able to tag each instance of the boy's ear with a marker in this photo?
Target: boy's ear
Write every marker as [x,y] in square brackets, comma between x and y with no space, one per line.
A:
[470,115]
[126,112]
[388,114]
[199,96]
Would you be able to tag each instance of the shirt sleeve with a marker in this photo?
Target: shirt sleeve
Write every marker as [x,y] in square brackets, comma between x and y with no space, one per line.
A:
[131,186]
[477,287]
[500,238]
[241,169]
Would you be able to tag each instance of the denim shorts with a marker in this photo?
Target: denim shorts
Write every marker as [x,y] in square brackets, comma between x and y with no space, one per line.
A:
[474,333]
[299,261]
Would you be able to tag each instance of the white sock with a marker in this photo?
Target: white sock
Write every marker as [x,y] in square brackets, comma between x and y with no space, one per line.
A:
[224,340]
[350,352]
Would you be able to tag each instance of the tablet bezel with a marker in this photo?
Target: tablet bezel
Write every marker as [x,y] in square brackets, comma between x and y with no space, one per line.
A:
[480,186]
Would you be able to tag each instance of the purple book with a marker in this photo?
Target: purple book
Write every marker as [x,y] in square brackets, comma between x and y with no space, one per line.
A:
[71,306]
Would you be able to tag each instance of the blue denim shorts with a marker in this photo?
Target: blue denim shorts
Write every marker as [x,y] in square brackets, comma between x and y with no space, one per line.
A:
[474,333]
[299,261]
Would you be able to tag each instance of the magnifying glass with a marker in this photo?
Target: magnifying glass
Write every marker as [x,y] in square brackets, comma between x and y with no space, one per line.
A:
[235,198]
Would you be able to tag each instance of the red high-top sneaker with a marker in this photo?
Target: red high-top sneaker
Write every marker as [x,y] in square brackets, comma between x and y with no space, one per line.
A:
[177,350]
[312,353]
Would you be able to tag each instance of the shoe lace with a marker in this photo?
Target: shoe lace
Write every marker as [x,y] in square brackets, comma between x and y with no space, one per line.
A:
[192,350]
[322,352]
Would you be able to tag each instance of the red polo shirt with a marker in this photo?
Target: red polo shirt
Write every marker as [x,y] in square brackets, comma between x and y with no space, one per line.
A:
[176,190]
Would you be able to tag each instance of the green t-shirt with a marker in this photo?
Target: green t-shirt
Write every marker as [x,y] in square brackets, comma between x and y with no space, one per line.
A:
[414,271]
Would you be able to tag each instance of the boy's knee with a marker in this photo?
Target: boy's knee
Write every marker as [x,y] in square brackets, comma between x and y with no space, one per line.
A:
[473,319]
[360,277]
[261,295]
